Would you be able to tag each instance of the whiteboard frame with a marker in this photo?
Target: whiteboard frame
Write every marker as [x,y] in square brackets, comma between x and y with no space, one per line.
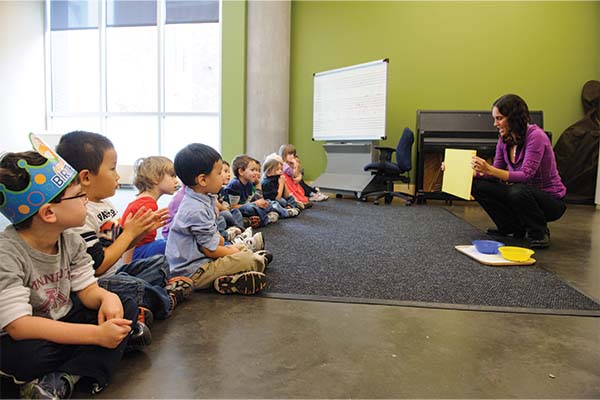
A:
[345,69]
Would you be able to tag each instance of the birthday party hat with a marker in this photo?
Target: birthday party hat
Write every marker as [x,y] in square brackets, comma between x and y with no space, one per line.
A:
[46,181]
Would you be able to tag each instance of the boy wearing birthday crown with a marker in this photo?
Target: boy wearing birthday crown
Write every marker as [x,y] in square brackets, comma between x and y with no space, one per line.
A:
[56,324]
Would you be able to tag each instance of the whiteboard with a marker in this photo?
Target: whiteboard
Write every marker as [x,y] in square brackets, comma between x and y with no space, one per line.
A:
[350,103]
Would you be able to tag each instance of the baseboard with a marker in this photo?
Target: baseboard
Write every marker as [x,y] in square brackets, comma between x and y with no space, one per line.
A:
[398,187]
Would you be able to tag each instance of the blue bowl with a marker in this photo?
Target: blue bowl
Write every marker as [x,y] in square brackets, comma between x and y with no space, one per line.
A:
[487,246]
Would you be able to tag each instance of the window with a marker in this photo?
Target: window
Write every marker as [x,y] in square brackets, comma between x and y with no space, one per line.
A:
[145,73]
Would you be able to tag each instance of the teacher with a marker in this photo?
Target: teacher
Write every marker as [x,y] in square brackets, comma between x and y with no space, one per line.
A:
[522,191]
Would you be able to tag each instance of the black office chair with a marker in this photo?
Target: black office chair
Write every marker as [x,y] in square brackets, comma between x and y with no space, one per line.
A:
[386,172]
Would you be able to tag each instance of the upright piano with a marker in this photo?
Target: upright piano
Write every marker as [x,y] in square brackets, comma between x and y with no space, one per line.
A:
[438,130]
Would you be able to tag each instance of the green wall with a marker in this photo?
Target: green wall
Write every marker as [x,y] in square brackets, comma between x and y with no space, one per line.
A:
[233,79]
[446,55]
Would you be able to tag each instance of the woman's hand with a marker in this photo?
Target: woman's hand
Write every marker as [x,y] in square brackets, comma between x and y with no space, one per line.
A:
[480,166]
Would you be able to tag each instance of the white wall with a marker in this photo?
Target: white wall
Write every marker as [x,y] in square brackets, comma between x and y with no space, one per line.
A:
[22,84]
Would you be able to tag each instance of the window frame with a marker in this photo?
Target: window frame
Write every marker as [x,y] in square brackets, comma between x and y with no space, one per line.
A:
[102,114]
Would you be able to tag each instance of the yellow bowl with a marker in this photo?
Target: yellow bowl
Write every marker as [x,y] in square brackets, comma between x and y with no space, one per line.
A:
[513,253]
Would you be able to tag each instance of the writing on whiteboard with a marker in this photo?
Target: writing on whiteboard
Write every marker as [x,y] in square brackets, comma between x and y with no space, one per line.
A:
[350,103]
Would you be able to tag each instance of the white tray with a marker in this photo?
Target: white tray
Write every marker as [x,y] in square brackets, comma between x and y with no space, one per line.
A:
[494,260]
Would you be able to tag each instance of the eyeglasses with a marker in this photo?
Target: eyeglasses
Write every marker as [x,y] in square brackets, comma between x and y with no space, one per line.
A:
[77,196]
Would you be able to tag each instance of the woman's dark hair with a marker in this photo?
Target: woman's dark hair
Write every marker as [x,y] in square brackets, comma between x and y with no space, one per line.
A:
[516,112]
[84,150]
[193,160]
[17,179]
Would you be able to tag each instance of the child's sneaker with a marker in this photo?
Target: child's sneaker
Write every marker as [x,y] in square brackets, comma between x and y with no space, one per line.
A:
[273,217]
[140,337]
[232,232]
[254,243]
[318,196]
[247,234]
[293,212]
[254,221]
[146,316]
[267,255]
[179,288]
[250,282]
[55,385]
[259,241]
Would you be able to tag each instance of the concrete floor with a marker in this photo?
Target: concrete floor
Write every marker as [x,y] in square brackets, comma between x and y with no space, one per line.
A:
[250,347]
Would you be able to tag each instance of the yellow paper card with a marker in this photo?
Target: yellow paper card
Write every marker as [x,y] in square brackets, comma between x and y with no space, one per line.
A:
[458,174]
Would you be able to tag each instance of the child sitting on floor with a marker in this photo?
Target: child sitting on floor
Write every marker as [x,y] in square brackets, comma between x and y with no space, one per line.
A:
[293,169]
[194,247]
[95,157]
[230,221]
[239,192]
[154,176]
[275,190]
[57,324]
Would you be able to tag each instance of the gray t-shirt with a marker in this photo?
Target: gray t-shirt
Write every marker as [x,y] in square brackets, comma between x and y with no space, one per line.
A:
[40,284]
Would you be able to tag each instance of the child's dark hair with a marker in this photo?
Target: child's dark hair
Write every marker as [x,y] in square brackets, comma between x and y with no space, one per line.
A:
[84,150]
[193,160]
[15,178]
[150,171]
[241,162]
[225,162]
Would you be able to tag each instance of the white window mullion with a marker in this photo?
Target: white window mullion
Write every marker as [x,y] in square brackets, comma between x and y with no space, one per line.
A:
[160,15]
[48,67]
[102,106]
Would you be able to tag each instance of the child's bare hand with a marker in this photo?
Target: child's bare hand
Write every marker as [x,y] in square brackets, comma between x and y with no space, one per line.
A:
[112,332]
[138,223]
[161,217]
[110,308]
[262,203]
[162,213]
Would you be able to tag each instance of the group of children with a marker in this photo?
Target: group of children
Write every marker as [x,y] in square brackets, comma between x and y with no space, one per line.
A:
[80,284]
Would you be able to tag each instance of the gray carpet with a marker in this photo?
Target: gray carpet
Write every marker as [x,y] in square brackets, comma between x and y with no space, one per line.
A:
[348,251]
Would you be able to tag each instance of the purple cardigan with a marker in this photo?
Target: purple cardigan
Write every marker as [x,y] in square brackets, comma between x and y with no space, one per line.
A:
[534,164]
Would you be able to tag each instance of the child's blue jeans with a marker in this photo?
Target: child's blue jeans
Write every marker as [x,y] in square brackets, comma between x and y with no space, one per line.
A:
[229,218]
[251,209]
[145,281]
[233,217]
[156,247]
